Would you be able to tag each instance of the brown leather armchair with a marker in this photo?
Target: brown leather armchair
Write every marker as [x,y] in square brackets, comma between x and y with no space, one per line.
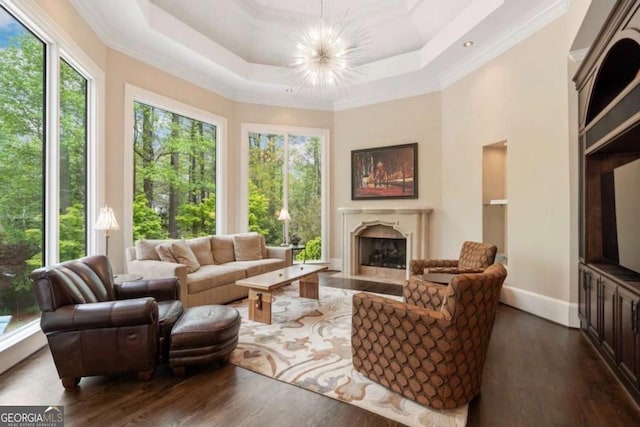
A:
[431,348]
[97,328]
[474,258]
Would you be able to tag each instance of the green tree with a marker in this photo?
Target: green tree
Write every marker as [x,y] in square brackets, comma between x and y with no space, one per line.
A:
[175,171]
[147,224]
[21,169]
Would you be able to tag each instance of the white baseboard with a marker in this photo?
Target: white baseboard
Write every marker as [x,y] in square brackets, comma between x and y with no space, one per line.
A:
[17,347]
[555,310]
[335,264]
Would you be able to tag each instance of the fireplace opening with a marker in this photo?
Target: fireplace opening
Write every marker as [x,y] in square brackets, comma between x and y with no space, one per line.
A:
[383,252]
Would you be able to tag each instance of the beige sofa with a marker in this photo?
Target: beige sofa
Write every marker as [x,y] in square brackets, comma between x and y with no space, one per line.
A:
[207,267]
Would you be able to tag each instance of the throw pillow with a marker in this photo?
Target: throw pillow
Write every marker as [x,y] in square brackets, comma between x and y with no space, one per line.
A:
[164,252]
[184,255]
[246,247]
[146,249]
[201,247]
[222,247]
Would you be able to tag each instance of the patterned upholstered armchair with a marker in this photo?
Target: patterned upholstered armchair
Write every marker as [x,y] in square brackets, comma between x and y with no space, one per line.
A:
[474,258]
[431,348]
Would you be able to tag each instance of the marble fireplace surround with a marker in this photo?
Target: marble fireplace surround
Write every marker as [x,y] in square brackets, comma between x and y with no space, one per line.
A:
[411,223]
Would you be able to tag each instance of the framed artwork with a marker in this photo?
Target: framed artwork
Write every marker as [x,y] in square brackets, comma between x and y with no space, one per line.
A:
[385,172]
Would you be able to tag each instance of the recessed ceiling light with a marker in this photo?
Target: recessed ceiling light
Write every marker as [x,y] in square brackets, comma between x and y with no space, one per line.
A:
[468,43]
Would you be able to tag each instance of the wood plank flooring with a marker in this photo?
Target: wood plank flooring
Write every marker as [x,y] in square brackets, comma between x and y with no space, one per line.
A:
[537,374]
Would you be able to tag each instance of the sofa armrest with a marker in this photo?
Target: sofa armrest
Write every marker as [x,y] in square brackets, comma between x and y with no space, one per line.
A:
[97,315]
[160,289]
[151,269]
[283,252]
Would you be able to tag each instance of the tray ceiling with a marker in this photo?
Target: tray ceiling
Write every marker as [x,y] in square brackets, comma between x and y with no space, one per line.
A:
[241,48]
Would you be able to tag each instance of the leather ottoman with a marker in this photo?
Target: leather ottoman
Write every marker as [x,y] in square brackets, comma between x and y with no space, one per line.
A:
[203,334]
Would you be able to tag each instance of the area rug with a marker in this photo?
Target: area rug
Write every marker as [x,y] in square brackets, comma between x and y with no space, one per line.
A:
[308,344]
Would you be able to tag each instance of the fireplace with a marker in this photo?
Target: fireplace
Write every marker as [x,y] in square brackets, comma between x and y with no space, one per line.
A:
[379,243]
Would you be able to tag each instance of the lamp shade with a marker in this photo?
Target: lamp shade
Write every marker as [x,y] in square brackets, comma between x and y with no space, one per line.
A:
[106,220]
[284,215]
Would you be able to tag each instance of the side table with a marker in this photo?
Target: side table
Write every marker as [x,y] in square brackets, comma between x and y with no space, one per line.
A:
[297,249]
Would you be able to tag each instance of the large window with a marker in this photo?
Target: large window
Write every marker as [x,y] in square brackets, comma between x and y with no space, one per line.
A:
[286,170]
[22,148]
[73,163]
[48,168]
[174,175]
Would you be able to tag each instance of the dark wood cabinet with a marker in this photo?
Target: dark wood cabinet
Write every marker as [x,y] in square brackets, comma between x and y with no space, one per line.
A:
[629,343]
[608,84]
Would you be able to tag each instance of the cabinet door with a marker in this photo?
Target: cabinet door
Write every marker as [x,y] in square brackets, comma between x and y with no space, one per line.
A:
[593,312]
[609,311]
[583,300]
[629,342]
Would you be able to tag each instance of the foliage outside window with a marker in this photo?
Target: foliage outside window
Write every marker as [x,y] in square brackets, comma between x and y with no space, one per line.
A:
[272,157]
[73,163]
[22,171]
[174,175]
[22,123]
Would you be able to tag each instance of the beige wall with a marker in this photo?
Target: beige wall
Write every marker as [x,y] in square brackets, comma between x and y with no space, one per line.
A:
[415,119]
[521,97]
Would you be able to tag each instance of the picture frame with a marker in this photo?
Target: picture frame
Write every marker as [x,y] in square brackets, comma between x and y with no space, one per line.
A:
[389,172]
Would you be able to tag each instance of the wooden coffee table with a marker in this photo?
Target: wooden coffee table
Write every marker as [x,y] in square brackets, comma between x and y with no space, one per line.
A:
[260,287]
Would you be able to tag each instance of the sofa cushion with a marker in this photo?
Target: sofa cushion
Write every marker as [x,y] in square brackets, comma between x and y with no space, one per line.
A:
[246,247]
[146,249]
[212,276]
[222,247]
[164,252]
[263,246]
[258,266]
[201,247]
[184,255]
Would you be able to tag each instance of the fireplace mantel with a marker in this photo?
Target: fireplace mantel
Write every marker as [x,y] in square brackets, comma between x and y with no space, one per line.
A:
[413,223]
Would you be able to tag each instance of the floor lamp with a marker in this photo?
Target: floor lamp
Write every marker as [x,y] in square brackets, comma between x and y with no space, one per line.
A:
[106,222]
[284,217]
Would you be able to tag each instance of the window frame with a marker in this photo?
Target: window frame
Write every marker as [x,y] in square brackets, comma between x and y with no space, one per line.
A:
[136,94]
[59,45]
[324,135]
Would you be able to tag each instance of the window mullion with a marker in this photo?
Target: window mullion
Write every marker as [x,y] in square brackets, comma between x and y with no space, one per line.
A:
[52,150]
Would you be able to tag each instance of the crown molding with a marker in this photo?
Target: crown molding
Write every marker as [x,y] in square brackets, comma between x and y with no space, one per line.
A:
[578,55]
[504,41]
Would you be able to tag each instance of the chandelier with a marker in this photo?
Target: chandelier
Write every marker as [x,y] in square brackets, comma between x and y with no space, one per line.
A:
[327,53]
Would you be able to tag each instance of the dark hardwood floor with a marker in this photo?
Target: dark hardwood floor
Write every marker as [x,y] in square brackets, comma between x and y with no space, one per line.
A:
[537,374]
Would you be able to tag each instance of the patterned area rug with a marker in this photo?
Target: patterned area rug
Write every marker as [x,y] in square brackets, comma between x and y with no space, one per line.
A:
[308,344]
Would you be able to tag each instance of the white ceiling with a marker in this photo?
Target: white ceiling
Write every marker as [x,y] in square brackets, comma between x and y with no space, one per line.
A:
[240,48]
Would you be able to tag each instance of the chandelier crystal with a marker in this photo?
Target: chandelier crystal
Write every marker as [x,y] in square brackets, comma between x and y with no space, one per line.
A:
[327,53]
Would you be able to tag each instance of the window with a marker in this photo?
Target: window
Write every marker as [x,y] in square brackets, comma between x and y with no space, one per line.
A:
[286,168]
[174,175]
[73,163]
[22,140]
[49,138]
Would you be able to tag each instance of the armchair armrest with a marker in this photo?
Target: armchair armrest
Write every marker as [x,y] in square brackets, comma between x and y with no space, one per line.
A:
[108,314]
[283,252]
[424,294]
[160,289]
[418,266]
